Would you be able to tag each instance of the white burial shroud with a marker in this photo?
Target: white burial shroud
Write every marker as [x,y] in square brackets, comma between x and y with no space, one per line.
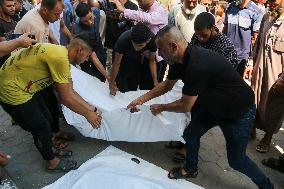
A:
[118,123]
[115,169]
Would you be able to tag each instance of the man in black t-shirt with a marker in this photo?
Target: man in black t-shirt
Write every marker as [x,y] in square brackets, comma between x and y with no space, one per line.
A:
[7,24]
[129,70]
[215,94]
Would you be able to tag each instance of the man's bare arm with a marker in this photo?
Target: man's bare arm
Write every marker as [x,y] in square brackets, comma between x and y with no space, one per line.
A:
[182,105]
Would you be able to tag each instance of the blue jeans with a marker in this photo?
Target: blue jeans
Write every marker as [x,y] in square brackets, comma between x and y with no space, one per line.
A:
[236,133]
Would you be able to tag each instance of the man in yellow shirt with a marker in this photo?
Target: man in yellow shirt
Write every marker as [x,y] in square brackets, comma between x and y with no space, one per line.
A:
[27,79]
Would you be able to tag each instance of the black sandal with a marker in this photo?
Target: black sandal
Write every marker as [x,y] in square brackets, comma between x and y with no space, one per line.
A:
[64,165]
[273,163]
[176,173]
[179,157]
[63,153]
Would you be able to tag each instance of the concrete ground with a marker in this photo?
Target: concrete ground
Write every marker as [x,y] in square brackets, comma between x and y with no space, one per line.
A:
[27,169]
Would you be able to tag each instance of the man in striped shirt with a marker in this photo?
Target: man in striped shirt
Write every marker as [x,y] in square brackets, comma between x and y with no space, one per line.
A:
[209,37]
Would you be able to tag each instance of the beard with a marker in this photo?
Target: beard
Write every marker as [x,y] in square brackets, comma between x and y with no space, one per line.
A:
[171,60]
[188,11]
[9,14]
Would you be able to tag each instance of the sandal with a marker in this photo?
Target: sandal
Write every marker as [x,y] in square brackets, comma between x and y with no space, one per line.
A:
[59,144]
[262,147]
[176,173]
[63,153]
[174,145]
[64,165]
[67,136]
[273,163]
[179,157]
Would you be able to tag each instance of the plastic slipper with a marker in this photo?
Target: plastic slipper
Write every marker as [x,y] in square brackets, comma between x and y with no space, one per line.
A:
[176,173]
[273,163]
[64,165]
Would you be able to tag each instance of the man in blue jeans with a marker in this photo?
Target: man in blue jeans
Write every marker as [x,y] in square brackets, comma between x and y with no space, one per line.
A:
[215,94]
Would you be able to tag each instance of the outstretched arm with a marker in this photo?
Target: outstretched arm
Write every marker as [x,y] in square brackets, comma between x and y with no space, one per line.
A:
[76,103]
[159,90]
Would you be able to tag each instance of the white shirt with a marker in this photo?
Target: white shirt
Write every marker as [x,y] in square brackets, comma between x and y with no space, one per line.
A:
[185,23]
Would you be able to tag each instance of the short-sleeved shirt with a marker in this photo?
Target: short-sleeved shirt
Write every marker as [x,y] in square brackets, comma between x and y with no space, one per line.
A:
[30,70]
[219,44]
[6,27]
[241,23]
[221,92]
[185,22]
[124,46]
[32,22]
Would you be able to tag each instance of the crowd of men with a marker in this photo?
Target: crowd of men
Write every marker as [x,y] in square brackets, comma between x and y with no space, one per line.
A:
[147,46]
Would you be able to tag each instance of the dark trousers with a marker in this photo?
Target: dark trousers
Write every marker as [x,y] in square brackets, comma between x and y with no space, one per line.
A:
[40,117]
[133,74]
[237,134]
[241,67]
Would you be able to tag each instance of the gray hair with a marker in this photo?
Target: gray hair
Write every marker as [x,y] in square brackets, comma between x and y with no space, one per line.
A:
[170,33]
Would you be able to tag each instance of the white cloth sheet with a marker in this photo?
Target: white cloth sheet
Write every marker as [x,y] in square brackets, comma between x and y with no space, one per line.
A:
[118,124]
[114,169]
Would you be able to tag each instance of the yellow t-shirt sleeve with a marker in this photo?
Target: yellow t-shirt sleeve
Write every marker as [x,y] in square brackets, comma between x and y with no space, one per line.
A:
[59,65]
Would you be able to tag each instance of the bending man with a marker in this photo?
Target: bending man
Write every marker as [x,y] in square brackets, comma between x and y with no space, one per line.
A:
[26,92]
[215,94]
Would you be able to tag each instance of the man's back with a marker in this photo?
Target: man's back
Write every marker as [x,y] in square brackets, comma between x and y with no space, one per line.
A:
[32,69]
[220,90]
